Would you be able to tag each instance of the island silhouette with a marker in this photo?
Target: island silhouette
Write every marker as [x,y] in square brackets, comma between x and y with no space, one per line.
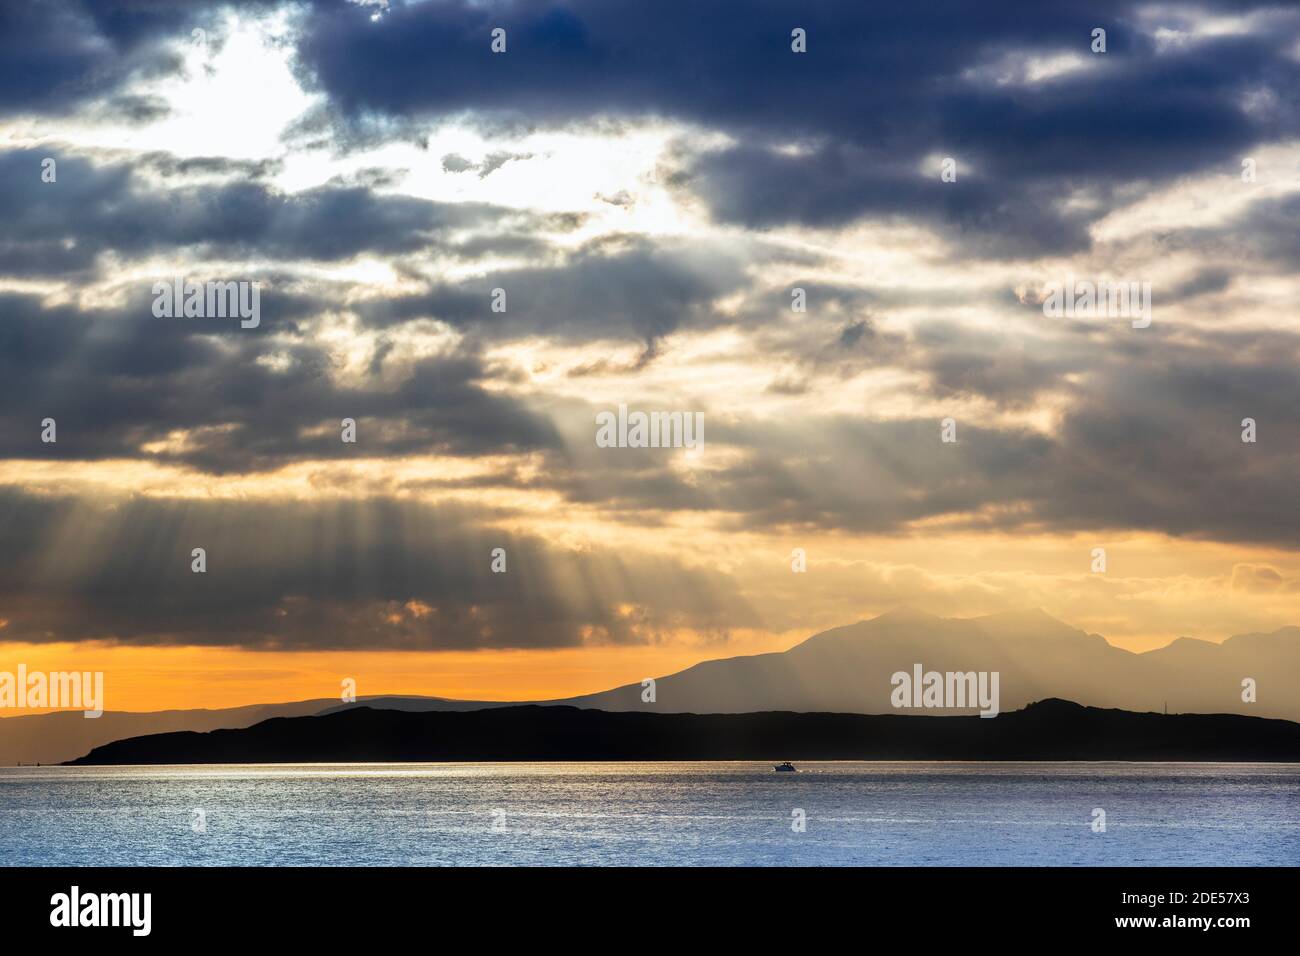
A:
[1048,730]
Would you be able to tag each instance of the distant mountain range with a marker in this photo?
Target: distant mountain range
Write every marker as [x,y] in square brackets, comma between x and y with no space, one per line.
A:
[54,738]
[1050,730]
[848,670]
[845,670]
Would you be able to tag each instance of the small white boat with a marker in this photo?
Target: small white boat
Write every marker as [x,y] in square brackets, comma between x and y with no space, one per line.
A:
[786,767]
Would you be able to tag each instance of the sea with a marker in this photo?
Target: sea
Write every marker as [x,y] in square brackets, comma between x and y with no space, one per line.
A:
[654,814]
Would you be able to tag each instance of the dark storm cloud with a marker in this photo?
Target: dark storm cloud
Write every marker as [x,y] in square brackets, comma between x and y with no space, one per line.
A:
[375,574]
[55,56]
[114,380]
[1140,117]
[836,184]
[701,61]
[52,228]
[881,89]
[58,55]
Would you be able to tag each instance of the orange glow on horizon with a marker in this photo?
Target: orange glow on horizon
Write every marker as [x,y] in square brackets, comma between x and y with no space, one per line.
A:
[187,678]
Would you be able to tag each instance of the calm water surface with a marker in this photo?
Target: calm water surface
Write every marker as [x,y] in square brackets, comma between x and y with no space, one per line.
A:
[647,814]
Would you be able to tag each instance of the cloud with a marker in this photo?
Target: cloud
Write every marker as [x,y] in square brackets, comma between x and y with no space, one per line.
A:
[118,381]
[878,97]
[616,287]
[55,57]
[667,287]
[93,209]
[455,163]
[362,575]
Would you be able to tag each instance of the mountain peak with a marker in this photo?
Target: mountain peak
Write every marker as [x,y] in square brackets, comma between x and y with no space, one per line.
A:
[1054,705]
[905,612]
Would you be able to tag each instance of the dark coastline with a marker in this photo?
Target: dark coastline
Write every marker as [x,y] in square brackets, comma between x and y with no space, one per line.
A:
[1047,730]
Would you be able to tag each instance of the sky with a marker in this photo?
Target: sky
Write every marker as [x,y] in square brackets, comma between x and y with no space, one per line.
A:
[655,189]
